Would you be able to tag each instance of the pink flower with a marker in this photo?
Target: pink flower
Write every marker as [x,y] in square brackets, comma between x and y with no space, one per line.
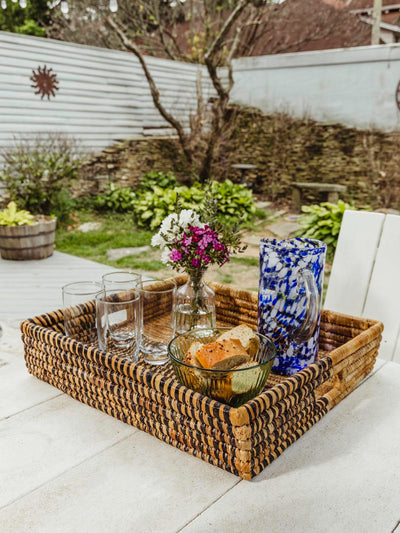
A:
[195,248]
[175,255]
[186,241]
[218,246]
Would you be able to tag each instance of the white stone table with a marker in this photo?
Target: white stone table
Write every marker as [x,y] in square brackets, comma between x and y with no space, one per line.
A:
[29,288]
[65,467]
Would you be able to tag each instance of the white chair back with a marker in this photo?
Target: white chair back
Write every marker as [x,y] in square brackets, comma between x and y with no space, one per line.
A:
[365,277]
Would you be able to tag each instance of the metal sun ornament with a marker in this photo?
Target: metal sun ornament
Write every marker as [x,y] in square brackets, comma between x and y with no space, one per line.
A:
[44,81]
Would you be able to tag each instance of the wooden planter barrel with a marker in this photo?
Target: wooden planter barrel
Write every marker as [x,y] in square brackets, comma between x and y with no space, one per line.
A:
[34,241]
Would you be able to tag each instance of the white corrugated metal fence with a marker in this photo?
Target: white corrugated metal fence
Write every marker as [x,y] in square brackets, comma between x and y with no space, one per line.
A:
[103,95]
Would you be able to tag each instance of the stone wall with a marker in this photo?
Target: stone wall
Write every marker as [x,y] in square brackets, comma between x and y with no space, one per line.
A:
[283,148]
[286,149]
[125,162]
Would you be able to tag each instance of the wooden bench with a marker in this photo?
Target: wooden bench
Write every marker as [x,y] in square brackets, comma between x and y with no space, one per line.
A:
[333,190]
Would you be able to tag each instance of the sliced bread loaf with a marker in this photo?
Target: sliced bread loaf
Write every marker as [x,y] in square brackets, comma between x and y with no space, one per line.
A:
[246,336]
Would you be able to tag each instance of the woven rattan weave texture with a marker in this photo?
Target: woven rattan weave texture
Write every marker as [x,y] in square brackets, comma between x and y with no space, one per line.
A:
[241,440]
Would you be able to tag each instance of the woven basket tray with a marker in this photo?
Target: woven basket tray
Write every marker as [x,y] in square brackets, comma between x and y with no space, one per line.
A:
[241,440]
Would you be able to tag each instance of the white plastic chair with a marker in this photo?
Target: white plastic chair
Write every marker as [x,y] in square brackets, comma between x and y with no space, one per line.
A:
[365,277]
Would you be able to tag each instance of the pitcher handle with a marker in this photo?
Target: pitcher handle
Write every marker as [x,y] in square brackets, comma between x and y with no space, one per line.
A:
[307,328]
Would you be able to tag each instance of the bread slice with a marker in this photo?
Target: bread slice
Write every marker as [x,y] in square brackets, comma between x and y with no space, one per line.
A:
[248,338]
[190,356]
[222,355]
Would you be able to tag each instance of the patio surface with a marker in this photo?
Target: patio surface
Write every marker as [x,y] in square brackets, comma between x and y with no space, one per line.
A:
[66,467]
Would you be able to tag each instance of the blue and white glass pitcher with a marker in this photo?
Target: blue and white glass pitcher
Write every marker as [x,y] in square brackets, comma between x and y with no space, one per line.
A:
[290,298]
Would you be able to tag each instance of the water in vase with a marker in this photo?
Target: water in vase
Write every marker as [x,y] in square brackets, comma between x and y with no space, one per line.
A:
[187,318]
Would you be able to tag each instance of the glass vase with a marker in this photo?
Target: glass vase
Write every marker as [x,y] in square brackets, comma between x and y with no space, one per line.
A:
[194,304]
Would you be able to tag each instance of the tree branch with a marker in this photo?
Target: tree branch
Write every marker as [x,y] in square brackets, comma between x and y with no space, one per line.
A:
[155,94]
[209,57]
[164,43]
[196,121]
[232,52]
[174,42]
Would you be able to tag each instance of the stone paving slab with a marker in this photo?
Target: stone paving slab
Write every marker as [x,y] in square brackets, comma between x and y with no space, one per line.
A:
[20,390]
[118,253]
[284,229]
[71,468]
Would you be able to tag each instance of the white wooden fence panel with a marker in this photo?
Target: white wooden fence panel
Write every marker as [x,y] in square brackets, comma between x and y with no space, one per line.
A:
[354,259]
[383,298]
[103,95]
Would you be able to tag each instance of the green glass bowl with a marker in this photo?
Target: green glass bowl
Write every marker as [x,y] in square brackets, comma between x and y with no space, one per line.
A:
[233,387]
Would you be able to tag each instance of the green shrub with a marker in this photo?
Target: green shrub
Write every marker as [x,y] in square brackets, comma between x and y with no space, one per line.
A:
[123,199]
[31,20]
[235,203]
[158,179]
[151,203]
[37,173]
[117,199]
[323,222]
[151,207]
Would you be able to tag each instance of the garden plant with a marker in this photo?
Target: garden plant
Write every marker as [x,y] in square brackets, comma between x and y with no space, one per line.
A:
[37,173]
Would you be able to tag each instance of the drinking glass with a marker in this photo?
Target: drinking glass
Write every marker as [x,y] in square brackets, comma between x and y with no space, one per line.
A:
[118,320]
[120,280]
[157,302]
[79,315]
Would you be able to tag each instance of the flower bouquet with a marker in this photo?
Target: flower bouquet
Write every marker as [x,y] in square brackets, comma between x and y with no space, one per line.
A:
[191,245]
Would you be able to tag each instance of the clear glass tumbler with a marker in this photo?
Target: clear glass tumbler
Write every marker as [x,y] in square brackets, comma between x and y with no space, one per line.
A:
[118,319]
[157,303]
[79,316]
[120,280]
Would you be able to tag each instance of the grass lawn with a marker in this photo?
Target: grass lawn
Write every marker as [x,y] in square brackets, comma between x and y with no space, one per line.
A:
[116,231]
[119,231]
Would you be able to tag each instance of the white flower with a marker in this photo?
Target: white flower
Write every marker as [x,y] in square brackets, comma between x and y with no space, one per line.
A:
[173,227]
[188,217]
[158,240]
[164,256]
[169,223]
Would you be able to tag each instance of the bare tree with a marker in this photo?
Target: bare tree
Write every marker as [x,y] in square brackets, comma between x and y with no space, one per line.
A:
[211,32]
[205,31]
